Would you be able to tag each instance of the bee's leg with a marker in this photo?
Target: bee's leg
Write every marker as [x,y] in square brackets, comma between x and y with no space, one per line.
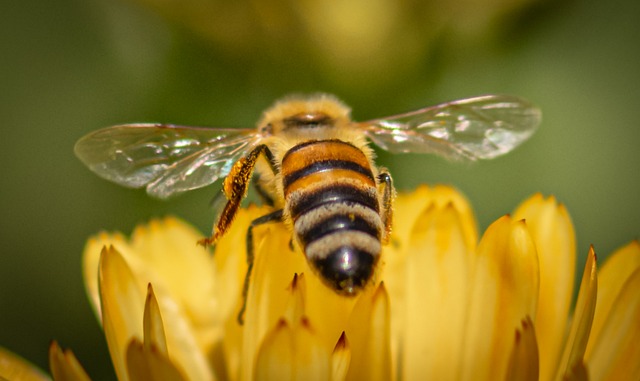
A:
[271,217]
[235,188]
[263,194]
[388,193]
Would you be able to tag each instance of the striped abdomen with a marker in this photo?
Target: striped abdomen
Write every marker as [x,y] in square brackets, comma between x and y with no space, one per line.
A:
[331,195]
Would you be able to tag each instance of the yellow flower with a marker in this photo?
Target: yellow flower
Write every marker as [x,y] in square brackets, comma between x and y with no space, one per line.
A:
[445,305]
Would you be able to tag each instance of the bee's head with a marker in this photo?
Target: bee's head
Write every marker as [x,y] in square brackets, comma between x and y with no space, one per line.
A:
[304,112]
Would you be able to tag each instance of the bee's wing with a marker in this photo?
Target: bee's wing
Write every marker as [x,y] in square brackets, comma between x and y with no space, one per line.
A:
[167,159]
[469,129]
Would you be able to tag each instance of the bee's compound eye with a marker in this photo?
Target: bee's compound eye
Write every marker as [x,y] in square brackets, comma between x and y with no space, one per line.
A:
[347,270]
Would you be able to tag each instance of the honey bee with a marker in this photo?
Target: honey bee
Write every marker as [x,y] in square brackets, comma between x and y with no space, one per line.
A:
[313,164]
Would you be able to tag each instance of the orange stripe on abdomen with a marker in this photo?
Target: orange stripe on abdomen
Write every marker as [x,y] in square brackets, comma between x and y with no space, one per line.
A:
[305,154]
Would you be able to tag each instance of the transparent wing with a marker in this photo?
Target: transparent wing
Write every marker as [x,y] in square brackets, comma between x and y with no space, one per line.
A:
[167,159]
[469,129]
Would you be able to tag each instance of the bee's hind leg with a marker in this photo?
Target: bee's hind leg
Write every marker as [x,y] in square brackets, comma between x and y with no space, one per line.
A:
[271,217]
[235,188]
[388,194]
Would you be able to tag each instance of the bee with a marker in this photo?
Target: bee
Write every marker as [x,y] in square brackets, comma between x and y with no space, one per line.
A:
[313,164]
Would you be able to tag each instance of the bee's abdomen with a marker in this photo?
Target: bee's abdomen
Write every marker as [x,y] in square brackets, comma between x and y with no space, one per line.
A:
[332,198]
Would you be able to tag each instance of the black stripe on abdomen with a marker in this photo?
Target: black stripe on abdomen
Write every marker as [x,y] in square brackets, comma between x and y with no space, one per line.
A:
[346,193]
[327,165]
[340,221]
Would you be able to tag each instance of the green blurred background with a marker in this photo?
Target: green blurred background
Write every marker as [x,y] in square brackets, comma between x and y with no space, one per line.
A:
[69,67]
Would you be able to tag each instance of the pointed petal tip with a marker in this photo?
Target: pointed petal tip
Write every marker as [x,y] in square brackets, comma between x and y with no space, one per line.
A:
[297,283]
[524,359]
[341,358]
[64,365]
[342,343]
[152,324]
[581,324]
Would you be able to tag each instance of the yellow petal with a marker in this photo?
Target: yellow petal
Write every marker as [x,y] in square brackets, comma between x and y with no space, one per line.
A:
[446,195]
[340,359]
[91,262]
[274,266]
[231,264]
[177,340]
[64,365]
[582,318]
[231,260]
[325,306]
[13,367]
[436,291]
[275,359]
[410,210]
[504,288]
[146,362]
[553,233]
[409,207]
[368,331]
[615,353]
[612,276]
[153,327]
[122,307]
[296,307]
[166,255]
[524,360]
[270,293]
[292,354]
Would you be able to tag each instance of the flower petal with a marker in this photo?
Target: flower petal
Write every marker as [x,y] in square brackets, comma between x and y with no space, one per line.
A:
[296,307]
[504,288]
[268,295]
[147,362]
[613,275]
[64,365]
[409,207]
[368,331]
[122,307]
[91,263]
[436,290]
[14,367]
[340,359]
[524,360]
[166,254]
[293,353]
[614,351]
[152,323]
[177,341]
[230,260]
[553,233]
[582,318]
[407,254]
